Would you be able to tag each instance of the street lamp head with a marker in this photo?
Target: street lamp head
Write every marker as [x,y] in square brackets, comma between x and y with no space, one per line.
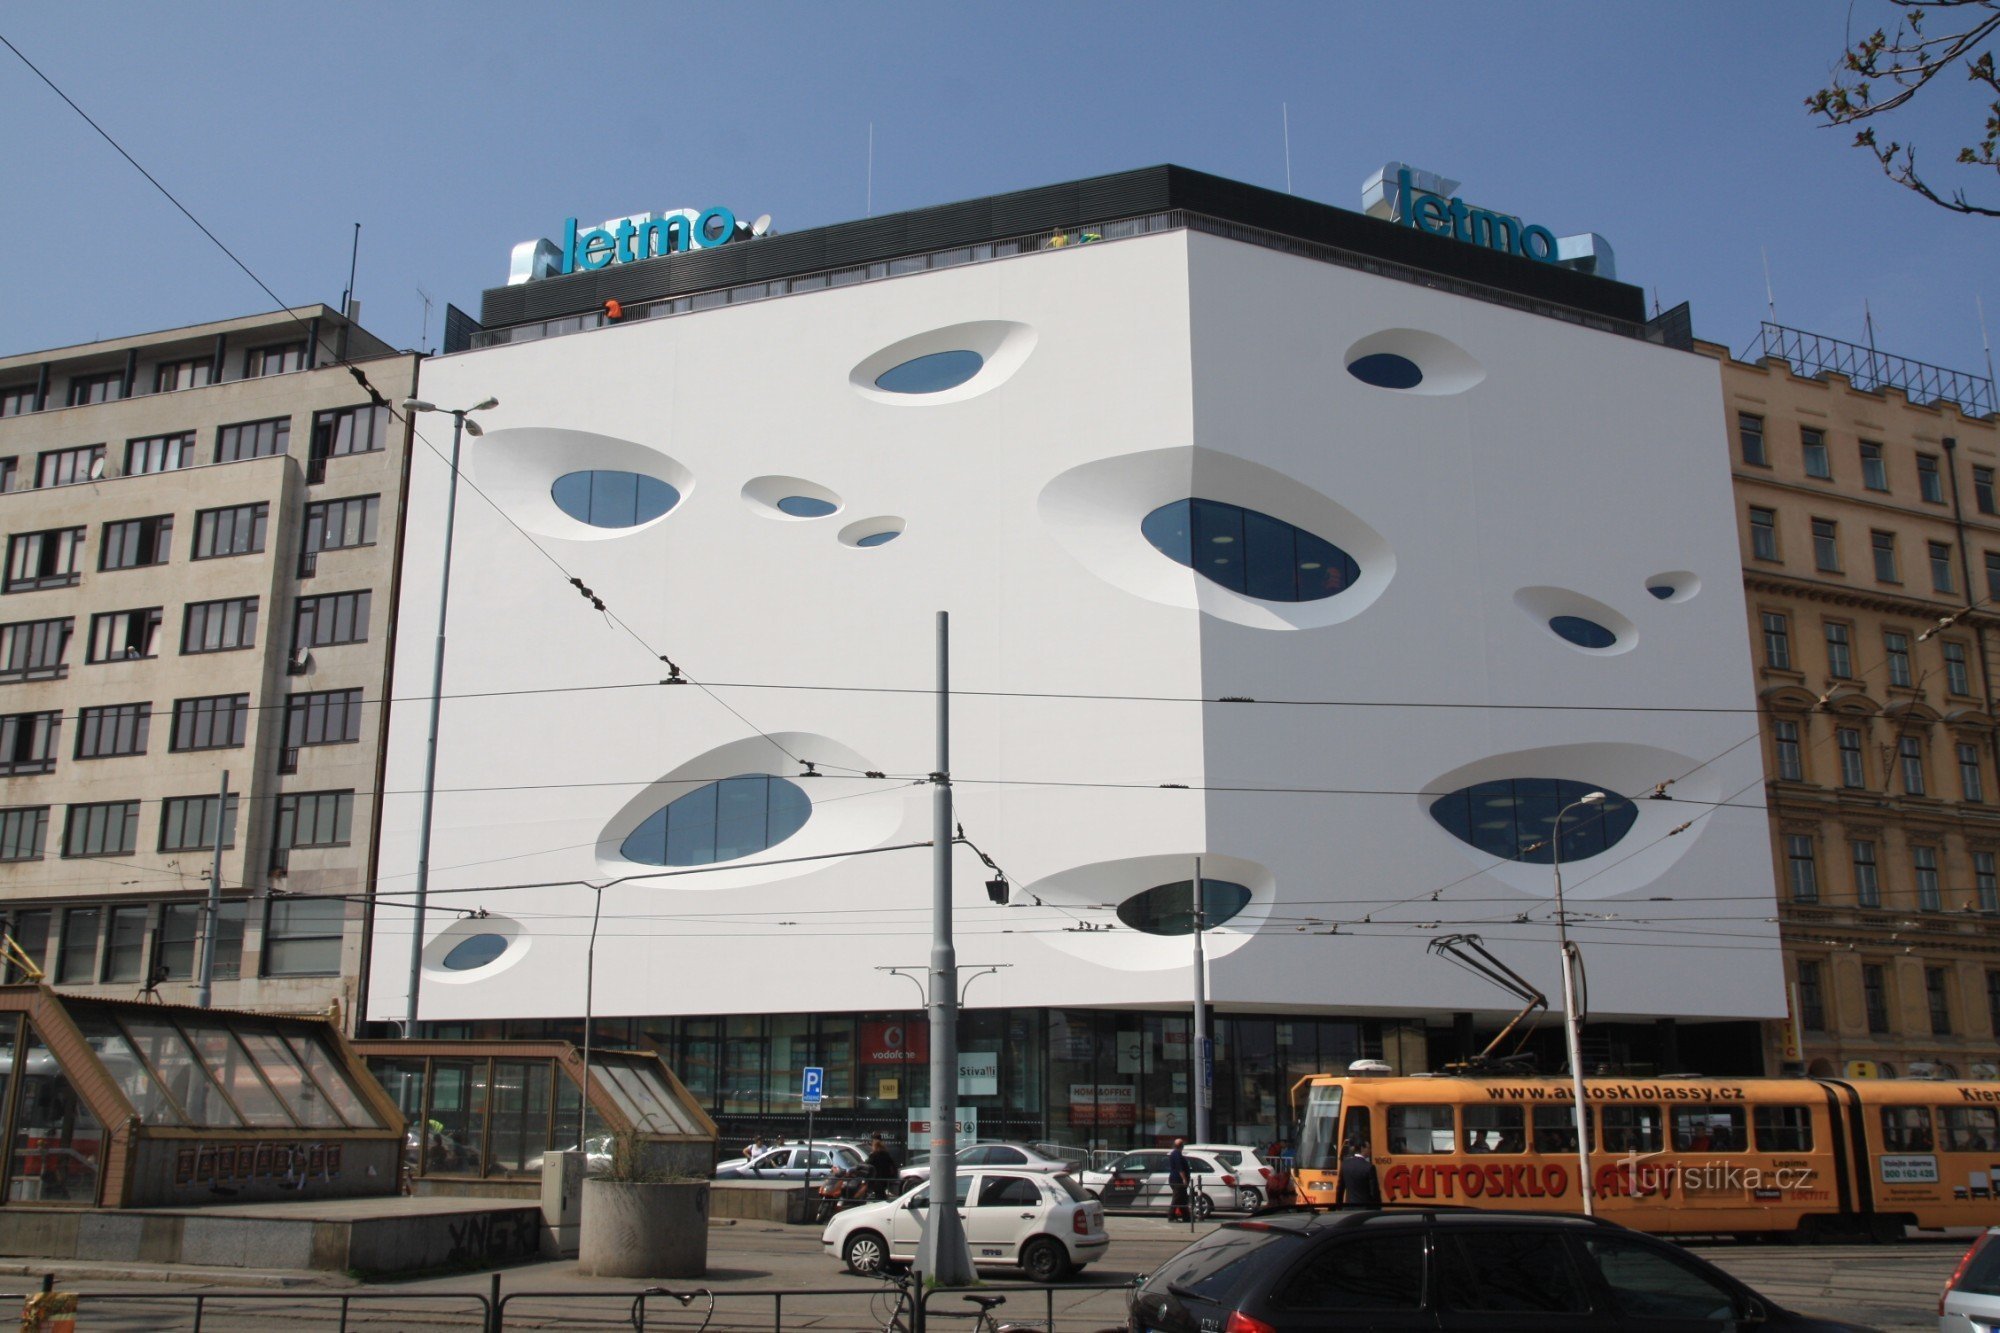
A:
[472,428]
[1591,798]
[418,405]
[490,402]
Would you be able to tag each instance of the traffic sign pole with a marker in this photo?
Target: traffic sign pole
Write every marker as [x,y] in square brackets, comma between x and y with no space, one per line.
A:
[812,1089]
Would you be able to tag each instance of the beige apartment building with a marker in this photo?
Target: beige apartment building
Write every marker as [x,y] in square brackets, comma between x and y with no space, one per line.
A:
[1871,567]
[200,531]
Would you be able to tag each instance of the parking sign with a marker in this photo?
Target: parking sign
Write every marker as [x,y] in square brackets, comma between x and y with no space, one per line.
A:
[812,1088]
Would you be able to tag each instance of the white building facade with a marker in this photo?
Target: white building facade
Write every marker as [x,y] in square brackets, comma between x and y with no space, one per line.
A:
[1335,555]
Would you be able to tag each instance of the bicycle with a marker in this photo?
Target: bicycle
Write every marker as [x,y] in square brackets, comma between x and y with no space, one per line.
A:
[901,1314]
[638,1315]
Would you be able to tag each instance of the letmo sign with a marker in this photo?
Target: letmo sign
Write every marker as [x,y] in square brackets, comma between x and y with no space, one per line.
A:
[1434,215]
[628,240]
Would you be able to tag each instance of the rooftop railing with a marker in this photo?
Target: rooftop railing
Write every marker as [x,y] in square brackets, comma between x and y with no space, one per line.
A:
[1871,370]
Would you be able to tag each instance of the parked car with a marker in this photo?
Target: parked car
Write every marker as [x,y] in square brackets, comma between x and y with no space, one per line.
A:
[1022,1155]
[1039,1220]
[793,1161]
[1255,1177]
[1139,1180]
[1971,1299]
[1446,1269]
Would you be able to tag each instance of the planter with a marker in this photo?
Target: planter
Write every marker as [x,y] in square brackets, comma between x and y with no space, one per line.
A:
[645,1228]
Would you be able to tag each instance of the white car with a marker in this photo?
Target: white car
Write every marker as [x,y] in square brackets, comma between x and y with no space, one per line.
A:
[1038,1220]
[1255,1177]
[1024,1156]
[1971,1300]
[1139,1180]
[793,1161]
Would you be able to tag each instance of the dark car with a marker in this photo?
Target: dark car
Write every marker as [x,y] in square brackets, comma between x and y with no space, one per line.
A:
[1445,1269]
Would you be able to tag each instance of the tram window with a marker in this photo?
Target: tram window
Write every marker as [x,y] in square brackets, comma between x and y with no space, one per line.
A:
[1632,1129]
[1969,1128]
[1358,1131]
[1784,1129]
[1494,1129]
[1555,1128]
[1709,1129]
[1906,1129]
[1421,1129]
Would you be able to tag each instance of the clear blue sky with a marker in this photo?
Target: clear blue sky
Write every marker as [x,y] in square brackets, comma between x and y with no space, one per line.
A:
[452,131]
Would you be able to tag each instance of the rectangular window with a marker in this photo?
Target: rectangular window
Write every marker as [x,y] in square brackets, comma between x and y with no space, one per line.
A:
[28,743]
[314,819]
[125,945]
[1786,736]
[1848,742]
[113,730]
[337,617]
[134,542]
[1874,475]
[1867,884]
[1628,1129]
[1812,998]
[333,525]
[7,469]
[1969,1128]
[17,400]
[1970,779]
[34,649]
[1993,575]
[69,467]
[1801,869]
[1940,1001]
[1910,755]
[1750,437]
[187,823]
[215,627]
[1764,534]
[174,956]
[1875,996]
[277,359]
[1982,490]
[1940,554]
[237,530]
[351,430]
[1896,651]
[24,829]
[1785,1129]
[172,376]
[1986,883]
[1993,1000]
[1907,1129]
[213,722]
[105,828]
[49,559]
[1839,651]
[229,940]
[329,717]
[1884,546]
[1826,545]
[1421,1130]
[1929,484]
[76,961]
[1812,449]
[1777,641]
[159,453]
[253,439]
[1957,678]
[302,937]
[124,636]
[107,387]
[30,930]
[1923,860]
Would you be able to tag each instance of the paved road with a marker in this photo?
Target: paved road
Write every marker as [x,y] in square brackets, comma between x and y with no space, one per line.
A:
[1890,1287]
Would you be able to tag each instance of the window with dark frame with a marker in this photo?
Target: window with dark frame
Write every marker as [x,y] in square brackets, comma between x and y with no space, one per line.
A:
[1874,474]
[302,936]
[1930,485]
[1750,437]
[1777,641]
[211,722]
[329,619]
[24,832]
[1875,996]
[106,387]
[1923,862]
[1884,546]
[1939,998]
[34,649]
[1801,868]
[1982,489]
[9,466]
[1785,737]
[1993,998]
[113,730]
[1986,883]
[277,359]
[30,930]
[350,430]
[135,542]
[76,955]
[1971,778]
[192,373]
[1993,575]
[125,944]
[101,828]
[187,823]
[68,467]
[1867,883]
[124,636]
[325,717]
[17,400]
[1826,545]
[1957,673]
[218,627]
[314,819]
[1896,655]
[1839,651]
[253,439]
[1910,756]
[1847,741]
[159,453]
[1812,999]
[1812,451]
[1764,533]
[335,525]
[1940,555]
[28,743]
[235,530]
[174,946]
[51,558]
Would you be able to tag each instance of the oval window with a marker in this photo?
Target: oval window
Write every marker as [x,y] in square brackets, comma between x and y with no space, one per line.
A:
[1248,552]
[1167,909]
[1513,818]
[1386,370]
[1581,632]
[878,538]
[806,506]
[607,499]
[475,951]
[1663,591]
[931,374]
[722,821]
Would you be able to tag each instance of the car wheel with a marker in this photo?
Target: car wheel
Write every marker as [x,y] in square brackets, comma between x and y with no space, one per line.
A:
[1044,1260]
[1249,1198]
[865,1253]
[1204,1207]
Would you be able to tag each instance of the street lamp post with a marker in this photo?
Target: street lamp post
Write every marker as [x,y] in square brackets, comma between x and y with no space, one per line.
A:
[459,427]
[1572,1026]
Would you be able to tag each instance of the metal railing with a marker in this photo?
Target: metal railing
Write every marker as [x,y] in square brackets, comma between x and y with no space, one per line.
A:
[1871,370]
[215,1311]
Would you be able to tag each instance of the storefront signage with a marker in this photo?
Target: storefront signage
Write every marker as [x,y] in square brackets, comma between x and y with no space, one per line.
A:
[979,1074]
[964,1131]
[645,236]
[895,1043]
[1103,1104]
[1434,215]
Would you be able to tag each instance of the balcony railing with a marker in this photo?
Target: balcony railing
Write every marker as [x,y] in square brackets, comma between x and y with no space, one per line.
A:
[1871,370]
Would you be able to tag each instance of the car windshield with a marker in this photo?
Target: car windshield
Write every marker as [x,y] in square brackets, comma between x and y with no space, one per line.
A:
[1069,1187]
[1212,1265]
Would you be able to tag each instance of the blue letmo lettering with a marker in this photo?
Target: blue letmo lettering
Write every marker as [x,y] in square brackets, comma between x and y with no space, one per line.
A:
[1435,215]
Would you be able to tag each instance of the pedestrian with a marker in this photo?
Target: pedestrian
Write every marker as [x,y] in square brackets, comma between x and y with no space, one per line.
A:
[1178,1176]
[1358,1186]
[882,1170]
[757,1147]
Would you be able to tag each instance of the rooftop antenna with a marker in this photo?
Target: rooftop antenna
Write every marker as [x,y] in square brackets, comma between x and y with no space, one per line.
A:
[1868,324]
[1984,341]
[424,338]
[353,258]
[1770,297]
[871,170]
[1286,109]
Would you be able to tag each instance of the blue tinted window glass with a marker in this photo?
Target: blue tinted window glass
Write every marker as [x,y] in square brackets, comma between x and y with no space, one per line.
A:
[721,821]
[1661,590]
[1386,370]
[475,951]
[1583,633]
[806,506]
[877,538]
[1167,909]
[1513,818]
[611,499]
[931,374]
[1249,552]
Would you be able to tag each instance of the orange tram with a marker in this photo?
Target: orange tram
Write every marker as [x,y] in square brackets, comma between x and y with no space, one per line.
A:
[1673,1155]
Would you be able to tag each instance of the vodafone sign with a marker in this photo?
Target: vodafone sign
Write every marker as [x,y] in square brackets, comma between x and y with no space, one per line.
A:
[895,1043]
